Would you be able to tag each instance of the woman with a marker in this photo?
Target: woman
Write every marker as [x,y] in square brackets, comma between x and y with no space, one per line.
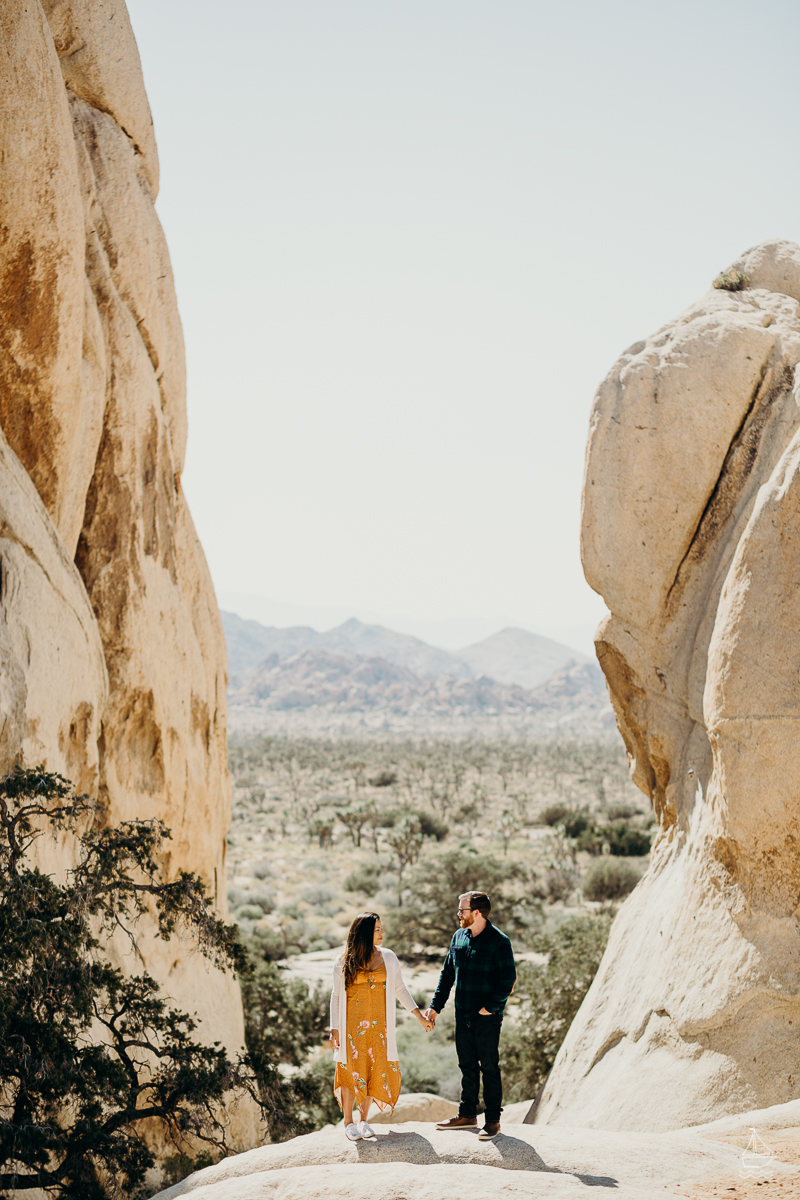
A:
[366,980]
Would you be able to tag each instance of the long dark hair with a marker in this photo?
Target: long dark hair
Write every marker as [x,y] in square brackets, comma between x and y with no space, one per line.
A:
[360,946]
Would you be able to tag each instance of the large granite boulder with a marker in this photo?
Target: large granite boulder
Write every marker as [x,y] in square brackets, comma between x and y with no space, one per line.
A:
[691,533]
[114,667]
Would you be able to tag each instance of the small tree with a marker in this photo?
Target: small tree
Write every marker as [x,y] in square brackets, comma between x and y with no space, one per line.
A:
[405,838]
[283,1022]
[354,818]
[610,879]
[87,1054]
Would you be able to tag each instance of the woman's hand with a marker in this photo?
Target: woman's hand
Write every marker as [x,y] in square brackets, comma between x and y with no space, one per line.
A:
[335,1039]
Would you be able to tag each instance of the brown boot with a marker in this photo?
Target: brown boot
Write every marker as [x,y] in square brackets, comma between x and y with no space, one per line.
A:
[458,1123]
[490,1130]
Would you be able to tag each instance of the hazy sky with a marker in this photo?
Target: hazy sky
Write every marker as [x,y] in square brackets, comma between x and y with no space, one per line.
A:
[410,239]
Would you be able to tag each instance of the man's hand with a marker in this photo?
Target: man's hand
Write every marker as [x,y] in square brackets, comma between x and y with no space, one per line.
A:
[431,1015]
[484,1012]
[335,1038]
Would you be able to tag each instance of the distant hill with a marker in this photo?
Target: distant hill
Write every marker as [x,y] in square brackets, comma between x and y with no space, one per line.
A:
[518,656]
[317,679]
[249,643]
[513,656]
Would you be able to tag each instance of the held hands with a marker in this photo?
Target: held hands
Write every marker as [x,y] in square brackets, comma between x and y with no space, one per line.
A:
[430,1016]
[425,1020]
[334,1039]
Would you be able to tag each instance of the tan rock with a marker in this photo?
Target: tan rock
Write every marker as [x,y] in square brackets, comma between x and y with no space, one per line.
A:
[100,64]
[114,666]
[53,683]
[42,409]
[691,532]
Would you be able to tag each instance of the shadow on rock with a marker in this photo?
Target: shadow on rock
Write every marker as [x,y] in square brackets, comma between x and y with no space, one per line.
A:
[509,1153]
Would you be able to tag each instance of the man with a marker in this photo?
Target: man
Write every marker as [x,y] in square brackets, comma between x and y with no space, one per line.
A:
[480,962]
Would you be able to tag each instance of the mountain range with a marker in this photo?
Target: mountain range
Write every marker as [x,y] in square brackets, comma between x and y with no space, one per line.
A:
[513,656]
[367,668]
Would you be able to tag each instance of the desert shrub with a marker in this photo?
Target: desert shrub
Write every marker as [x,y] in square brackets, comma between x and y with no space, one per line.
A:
[266,942]
[434,885]
[627,841]
[383,779]
[366,878]
[262,870]
[731,281]
[430,825]
[618,838]
[560,884]
[610,879]
[622,812]
[546,1000]
[621,839]
[576,823]
[260,897]
[249,912]
[428,1060]
[465,813]
[319,897]
[554,814]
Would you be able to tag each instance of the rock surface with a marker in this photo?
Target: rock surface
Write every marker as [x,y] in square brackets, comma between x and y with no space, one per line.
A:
[691,533]
[114,669]
[416,1160]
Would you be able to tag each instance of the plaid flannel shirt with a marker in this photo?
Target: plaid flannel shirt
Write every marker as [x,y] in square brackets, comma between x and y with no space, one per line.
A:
[482,969]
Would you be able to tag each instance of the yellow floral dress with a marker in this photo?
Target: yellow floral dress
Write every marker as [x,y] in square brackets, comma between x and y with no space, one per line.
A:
[368,1071]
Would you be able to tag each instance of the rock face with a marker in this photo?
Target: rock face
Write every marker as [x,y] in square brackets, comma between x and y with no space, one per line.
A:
[114,669]
[691,533]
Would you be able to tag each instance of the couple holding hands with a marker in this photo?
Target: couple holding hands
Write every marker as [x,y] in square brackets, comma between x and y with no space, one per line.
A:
[366,980]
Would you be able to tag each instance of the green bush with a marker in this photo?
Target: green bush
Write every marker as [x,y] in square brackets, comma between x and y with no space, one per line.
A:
[366,878]
[283,1022]
[249,912]
[554,814]
[430,825]
[546,1000]
[610,879]
[622,839]
[628,842]
[575,823]
[428,1060]
[622,812]
[383,779]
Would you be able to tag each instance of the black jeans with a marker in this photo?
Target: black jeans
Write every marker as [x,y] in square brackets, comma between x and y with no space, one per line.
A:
[477,1043]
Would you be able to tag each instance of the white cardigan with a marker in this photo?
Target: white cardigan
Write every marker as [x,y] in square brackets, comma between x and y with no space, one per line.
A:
[394,987]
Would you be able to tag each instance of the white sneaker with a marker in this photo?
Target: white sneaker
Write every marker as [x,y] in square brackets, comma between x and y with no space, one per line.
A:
[366,1130]
[352,1132]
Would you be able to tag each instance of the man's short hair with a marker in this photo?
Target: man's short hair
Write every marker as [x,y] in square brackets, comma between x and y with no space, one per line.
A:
[479,901]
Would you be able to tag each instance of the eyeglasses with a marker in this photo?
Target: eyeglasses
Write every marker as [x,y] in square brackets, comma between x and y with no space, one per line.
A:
[463,910]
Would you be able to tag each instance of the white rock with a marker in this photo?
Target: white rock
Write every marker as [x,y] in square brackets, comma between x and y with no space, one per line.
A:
[691,532]
[420,1161]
